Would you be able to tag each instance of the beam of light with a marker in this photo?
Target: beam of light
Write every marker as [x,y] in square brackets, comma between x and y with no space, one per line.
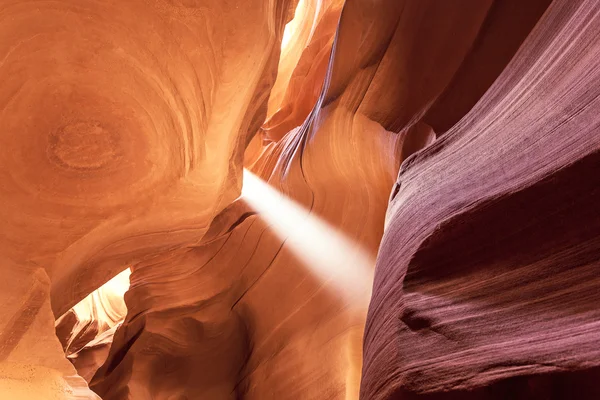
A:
[322,249]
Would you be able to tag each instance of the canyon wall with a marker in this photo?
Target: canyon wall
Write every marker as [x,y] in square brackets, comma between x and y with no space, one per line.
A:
[389,199]
[123,129]
[487,285]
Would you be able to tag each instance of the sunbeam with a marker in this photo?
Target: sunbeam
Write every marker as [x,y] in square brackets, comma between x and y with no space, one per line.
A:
[324,250]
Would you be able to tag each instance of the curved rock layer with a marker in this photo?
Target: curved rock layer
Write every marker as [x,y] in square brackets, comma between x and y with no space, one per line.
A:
[123,127]
[304,85]
[310,33]
[86,331]
[268,306]
[487,285]
[454,142]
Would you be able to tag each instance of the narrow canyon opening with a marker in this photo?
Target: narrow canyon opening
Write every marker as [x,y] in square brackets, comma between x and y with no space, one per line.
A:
[86,331]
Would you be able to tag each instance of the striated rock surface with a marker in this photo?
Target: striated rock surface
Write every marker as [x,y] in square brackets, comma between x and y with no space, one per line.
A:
[123,127]
[304,85]
[487,282]
[272,304]
[316,199]
[86,331]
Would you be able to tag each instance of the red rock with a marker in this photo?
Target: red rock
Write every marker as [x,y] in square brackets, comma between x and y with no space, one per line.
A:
[486,284]
[453,142]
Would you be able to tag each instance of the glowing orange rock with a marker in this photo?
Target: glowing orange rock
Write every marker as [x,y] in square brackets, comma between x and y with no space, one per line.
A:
[125,129]
[123,126]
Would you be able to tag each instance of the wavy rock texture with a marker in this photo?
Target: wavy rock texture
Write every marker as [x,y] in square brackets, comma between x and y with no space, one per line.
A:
[310,33]
[304,85]
[210,308]
[125,128]
[487,278]
[86,331]
[188,313]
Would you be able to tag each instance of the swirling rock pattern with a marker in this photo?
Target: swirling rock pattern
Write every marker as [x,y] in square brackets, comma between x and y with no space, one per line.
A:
[186,313]
[123,128]
[417,217]
[487,279]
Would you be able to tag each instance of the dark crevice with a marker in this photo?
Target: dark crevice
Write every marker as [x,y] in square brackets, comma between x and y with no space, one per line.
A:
[119,355]
[415,322]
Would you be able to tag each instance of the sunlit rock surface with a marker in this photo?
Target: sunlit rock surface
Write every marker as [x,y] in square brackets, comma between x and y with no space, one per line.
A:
[123,129]
[299,199]
[86,331]
[32,363]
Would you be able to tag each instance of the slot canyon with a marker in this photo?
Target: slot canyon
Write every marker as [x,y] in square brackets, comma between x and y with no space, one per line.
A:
[299,199]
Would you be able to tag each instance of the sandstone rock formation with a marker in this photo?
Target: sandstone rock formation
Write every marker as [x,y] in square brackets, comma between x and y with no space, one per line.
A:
[487,283]
[86,331]
[250,173]
[123,130]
